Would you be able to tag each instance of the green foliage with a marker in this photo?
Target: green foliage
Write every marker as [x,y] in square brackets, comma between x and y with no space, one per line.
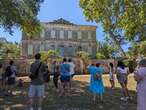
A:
[84,56]
[131,64]
[106,50]
[100,56]
[46,56]
[20,13]
[137,49]
[121,19]
[9,49]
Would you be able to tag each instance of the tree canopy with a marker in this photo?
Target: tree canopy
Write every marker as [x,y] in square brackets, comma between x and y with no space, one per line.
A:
[9,49]
[106,50]
[137,49]
[121,19]
[20,13]
[45,56]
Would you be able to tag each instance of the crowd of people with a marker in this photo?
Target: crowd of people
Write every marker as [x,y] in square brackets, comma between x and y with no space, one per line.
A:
[60,70]
[122,72]
[8,78]
[63,73]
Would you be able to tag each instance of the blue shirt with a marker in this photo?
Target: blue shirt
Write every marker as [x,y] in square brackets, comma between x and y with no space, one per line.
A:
[65,69]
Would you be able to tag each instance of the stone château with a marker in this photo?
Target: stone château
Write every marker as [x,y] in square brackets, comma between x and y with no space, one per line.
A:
[61,35]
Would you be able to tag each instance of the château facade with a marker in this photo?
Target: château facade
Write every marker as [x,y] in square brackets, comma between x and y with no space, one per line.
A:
[61,35]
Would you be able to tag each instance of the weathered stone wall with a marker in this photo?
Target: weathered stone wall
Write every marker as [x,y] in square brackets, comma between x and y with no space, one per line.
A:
[61,35]
[23,65]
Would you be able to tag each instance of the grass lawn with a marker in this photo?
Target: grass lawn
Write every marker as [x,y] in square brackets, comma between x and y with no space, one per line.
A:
[80,98]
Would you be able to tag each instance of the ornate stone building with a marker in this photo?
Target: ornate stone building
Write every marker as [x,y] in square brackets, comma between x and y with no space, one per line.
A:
[62,35]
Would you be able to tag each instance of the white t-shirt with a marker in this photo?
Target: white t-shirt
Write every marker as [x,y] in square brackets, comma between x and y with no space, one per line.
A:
[122,71]
[72,66]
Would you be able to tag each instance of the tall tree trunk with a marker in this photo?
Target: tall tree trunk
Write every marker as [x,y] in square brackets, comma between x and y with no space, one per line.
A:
[113,37]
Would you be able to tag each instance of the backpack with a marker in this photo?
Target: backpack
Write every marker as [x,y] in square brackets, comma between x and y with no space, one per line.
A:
[8,71]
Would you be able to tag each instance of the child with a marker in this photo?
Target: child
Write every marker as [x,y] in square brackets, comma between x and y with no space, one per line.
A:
[20,83]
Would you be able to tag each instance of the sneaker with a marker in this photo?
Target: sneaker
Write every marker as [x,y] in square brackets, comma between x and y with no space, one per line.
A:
[129,98]
[112,88]
[123,98]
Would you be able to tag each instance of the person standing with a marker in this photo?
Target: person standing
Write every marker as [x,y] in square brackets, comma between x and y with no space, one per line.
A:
[2,77]
[122,76]
[37,87]
[64,76]
[96,83]
[72,72]
[111,75]
[11,72]
[47,77]
[140,77]
[55,71]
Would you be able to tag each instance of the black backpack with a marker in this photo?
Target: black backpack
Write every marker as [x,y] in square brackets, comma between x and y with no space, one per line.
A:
[8,71]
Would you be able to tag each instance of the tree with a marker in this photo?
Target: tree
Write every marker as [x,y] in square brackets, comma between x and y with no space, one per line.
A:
[121,19]
[9,49]
[46,56]
[106,50]
[20,13]
[84,56]
[137,49]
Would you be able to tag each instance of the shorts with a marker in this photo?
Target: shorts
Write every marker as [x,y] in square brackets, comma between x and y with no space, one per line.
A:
[65,78]
[11,81]
[122,78]
[36,91]
[2,77]
[111,77]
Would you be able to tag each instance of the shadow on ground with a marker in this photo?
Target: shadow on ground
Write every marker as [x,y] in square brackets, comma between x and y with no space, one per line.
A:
[79,99]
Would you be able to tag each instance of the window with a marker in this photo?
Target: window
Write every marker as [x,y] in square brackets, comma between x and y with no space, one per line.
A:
[57,34]
[79,48]
[48,33]
[62,50]
[61,34]
[93,35]
[53,34]
[79,35]
[42,47]
[74,35]
[85,35]
[52,47]
[30,49]
[69,34]
[89,35]
[66,34]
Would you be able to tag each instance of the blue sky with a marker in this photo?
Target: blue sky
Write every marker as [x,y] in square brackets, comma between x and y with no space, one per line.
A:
[55,9]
